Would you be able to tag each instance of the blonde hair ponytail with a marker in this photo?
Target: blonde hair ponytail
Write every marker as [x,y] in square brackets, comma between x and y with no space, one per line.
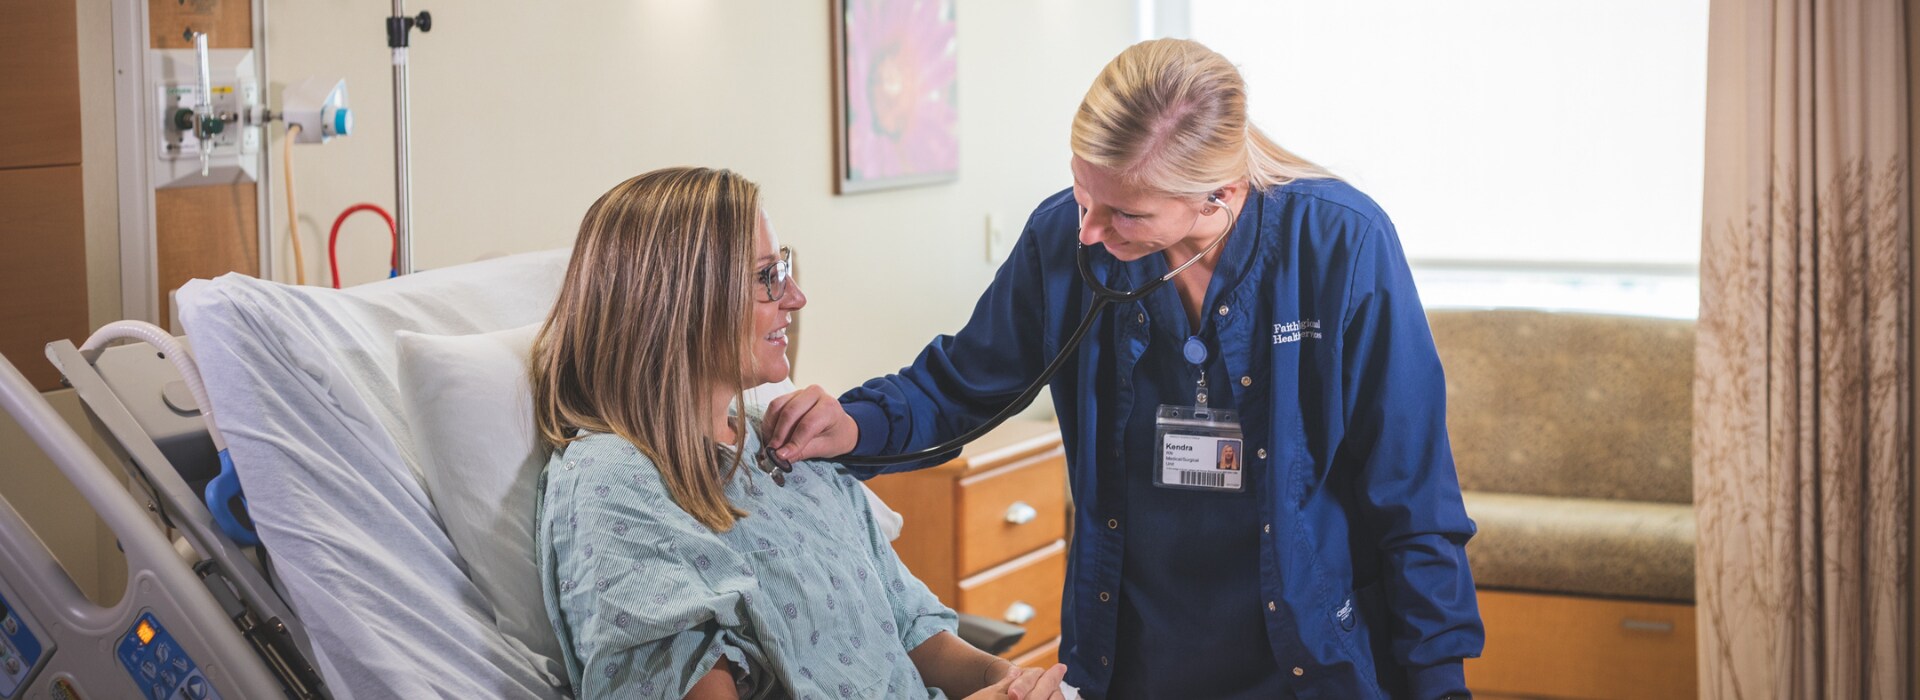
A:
[1170,115]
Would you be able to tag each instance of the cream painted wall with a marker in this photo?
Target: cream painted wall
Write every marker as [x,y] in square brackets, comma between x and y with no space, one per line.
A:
[524,113]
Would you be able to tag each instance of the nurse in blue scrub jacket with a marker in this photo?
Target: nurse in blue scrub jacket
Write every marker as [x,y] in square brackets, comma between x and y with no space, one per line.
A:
[1332,563]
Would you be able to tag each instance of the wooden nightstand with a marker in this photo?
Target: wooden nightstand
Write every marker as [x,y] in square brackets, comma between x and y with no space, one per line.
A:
[987,531]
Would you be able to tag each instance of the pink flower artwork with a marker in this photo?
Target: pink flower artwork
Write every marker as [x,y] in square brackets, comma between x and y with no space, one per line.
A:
[902,123]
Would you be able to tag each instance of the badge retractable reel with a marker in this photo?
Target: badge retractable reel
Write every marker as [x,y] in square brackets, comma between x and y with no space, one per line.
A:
[1199,447]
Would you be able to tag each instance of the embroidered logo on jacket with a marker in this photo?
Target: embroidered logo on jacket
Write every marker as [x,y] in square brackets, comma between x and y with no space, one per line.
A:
[1295,331]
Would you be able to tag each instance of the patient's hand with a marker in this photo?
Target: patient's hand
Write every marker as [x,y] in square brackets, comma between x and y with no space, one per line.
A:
[809,424]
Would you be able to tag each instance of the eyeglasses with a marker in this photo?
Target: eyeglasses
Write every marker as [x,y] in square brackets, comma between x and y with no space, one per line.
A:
[776,277]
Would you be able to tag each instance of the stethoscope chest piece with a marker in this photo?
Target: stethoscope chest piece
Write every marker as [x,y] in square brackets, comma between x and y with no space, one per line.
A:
[777,468]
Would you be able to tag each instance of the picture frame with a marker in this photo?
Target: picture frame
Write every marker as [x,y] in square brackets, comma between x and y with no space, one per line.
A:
[895,89]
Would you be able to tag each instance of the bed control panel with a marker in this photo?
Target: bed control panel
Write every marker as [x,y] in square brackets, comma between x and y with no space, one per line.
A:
[20,651]
[159,666]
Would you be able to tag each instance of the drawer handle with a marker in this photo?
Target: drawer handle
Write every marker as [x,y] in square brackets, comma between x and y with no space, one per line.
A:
[1019,613]
[1020,513]
[1631,625]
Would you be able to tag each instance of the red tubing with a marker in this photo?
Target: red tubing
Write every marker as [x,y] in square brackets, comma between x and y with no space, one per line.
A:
[333,260]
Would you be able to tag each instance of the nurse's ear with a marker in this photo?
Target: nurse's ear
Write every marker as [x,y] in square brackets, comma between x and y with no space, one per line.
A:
[1215,199]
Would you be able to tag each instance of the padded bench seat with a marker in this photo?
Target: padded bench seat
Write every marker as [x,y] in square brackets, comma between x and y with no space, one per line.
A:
[1614,548]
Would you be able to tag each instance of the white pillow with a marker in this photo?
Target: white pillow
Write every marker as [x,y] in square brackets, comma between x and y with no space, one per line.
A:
[469,402]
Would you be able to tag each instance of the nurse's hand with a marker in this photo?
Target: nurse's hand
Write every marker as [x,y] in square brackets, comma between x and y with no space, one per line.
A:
[810,424]
[1025,684]
[1035,684]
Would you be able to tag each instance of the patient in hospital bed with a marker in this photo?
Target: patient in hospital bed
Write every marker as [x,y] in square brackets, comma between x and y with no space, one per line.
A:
[675,560]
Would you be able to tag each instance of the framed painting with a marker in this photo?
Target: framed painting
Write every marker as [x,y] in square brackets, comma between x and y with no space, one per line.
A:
[896,119]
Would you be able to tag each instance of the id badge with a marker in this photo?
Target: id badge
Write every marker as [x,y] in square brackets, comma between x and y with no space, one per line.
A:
[1200,448]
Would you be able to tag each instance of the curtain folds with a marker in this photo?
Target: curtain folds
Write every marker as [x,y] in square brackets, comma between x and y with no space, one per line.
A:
[1803,391]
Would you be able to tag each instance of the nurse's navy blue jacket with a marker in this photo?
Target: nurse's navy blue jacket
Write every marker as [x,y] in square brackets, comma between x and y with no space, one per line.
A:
[1362,560]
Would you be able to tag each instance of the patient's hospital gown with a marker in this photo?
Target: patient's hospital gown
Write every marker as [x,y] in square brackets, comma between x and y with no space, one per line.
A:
[803,594]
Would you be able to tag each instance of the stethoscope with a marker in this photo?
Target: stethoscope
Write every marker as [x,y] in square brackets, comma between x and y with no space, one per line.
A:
[1102,297]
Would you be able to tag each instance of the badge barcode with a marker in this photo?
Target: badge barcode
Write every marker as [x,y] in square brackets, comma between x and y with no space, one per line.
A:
[1203,479]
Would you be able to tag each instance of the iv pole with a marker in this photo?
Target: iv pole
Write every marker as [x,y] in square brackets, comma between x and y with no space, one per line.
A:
[399,28]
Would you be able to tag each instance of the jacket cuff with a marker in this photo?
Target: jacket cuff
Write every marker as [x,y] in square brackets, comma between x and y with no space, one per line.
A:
[872,421]
[1438,681]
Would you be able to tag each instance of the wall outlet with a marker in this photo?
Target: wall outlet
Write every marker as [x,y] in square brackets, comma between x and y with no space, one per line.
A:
[999,244]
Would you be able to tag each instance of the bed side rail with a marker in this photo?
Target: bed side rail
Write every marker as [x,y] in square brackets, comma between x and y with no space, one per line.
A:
[167,627]
[117,386]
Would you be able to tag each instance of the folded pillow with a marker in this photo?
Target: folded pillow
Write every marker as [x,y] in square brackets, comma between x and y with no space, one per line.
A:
[469,402]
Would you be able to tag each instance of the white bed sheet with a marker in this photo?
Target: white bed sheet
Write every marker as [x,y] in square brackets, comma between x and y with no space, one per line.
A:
[304,384]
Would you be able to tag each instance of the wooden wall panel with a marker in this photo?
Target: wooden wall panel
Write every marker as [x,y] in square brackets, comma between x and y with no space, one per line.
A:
[204,232]
[228,23]
[43,266]
[41,63]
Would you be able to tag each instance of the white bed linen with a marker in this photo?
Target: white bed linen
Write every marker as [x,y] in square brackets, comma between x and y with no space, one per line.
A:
[304,380]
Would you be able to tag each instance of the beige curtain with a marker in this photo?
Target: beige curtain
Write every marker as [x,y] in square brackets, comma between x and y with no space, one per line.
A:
[1803,386]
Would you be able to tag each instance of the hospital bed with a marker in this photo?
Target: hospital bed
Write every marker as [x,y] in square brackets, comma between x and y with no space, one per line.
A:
[369,534]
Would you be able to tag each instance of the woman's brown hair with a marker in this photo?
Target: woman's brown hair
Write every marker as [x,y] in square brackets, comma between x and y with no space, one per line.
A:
[654,313]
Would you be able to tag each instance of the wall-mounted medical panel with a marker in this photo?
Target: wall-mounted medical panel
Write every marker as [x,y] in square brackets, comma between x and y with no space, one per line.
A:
[178,223]
[229,151]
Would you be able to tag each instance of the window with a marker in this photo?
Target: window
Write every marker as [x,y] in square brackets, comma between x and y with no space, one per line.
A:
[1536,153]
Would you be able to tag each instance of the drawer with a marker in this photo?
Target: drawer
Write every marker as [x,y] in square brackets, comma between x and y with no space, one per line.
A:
[1027,586]
[1542,644]
[1042,657]
[1010,511]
